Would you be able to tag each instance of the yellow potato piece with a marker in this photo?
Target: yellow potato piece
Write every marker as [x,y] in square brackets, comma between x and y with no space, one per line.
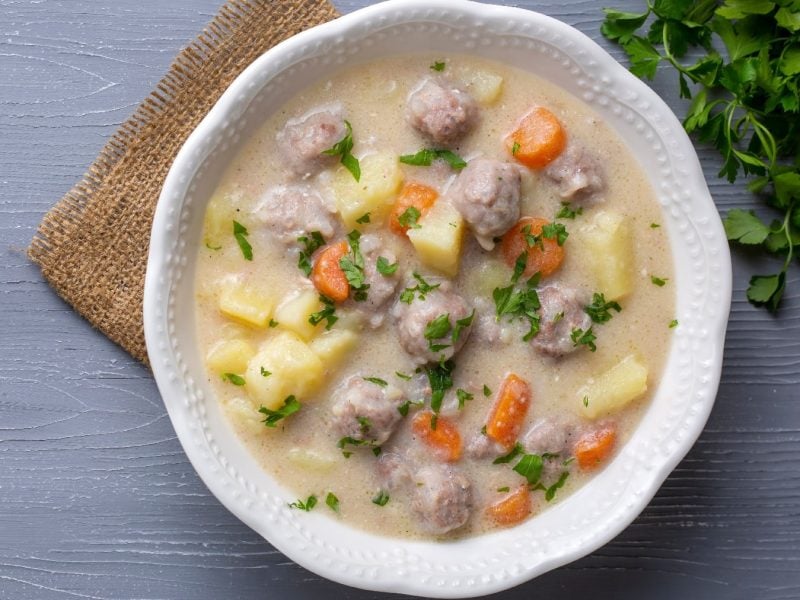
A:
[332,346]
[293,370]
[246,305]
[310,460]
[373,193]
[482,85]
[614,389]
[439,238]
[293,313]
[609,244]
[230,356]
[242,412]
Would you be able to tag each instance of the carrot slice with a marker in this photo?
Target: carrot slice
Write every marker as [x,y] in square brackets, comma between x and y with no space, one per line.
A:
[327,276]
[544,258]
[445,439]
[512,509]
[538,139]
[595,446]
[416,195]
[509,410]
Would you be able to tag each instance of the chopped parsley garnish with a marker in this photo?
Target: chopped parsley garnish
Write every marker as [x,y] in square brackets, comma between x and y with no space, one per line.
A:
[673,324]
[462,324]
[567,212]
[240,233]
[328,313]
[437,329]
[483,430]
[332,501]
[410,217]
[438,66]
[505,488]
[658,281]
[586,401]
[290,406]
[426,156]
[600,310]
[344,148]
[550,492]
[377,381]
[385,268]
[463,397]
[515,149]
[654,225]
[440,378]
[273,323]
[403,408]
[530,467]
[506,458]
[422,289]
[586,338]
[351,441]
[353,266]
[265,373]
[363,424]
[233,378]
[403,376]
[486,391]
[363,219]
[555,231]
[310,503]
[522,303]
[312,244]
[381,498]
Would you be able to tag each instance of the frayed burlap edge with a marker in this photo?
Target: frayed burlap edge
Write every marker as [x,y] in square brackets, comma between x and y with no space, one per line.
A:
[92,245]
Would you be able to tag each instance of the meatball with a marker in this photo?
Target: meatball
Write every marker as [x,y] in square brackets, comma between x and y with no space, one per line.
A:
[366,411]
[579,176]
[548,435]
[481,446]
[561,313]
[487,194]
[381,287]
[441,112]
[394,472]
[291,211]
[442,498]
[413,319]
[302,141]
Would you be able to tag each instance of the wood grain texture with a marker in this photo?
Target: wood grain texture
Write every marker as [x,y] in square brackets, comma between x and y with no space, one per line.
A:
[97,499]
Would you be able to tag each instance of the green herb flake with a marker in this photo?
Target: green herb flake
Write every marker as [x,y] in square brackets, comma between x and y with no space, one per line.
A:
[673,324]
[343,148]
[425,158]
[233,378]
[567,212]
[265,373]
[271,417]
[600,310]
[422,289]
[658,281]
[273,323]
[381,498]
[486,391]
[377,381]
[351,441]
[654,225]
[586,401]
[385,268]
[586,338]
[505,488]
[555,231]
[328,313]
[437,329]
[514,149]
[530,467]
[507,458]
[409,218]
[310,244]
[310,503]
[240,233]
[363,219]
[403,376]
[438,66]
[332,501]
[463,397]
[440,378]
[353,266]
[551,490]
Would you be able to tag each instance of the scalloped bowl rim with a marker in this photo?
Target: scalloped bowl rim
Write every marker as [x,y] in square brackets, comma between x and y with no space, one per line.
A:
[598,511]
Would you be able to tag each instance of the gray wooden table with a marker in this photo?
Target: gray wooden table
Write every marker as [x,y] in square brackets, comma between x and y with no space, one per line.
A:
[97,499]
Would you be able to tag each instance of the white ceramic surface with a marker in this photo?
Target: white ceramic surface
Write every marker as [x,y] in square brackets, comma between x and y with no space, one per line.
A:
[598,511]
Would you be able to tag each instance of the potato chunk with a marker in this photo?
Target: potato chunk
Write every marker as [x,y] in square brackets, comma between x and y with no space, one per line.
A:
[219,221]
[380,179]
[612,390]
[294,311]
[246,305]
[292,369]
[310,460]
[230,356]
[482,85]
[609,246]
[439,237]
[332,346]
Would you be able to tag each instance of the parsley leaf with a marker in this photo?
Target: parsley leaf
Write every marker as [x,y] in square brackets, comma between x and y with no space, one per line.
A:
[327,314]
[426,156]
[271,418]
[745,227]
[240,233]
[486,391]
[233,378]
[332,501]
[658,281]
[437,329]
[265,373]
[438,66]
[530,467]
[353,266]
[377,381]
[351,441]
[519,303]
[343,148]
[403,408]
[363,219]
[311,244]
[381,498]
[403,376]
[586,338]
[673,324]
[555,231]
[384,268]
[409,218]
[507,458]
[550,492]
[440,378]
[422,289]
[567,212]
[600,310]
[310,503]
[463,397]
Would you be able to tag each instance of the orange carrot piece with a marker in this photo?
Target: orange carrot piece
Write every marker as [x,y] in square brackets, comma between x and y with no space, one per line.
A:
[445,439]
[545,258]
[327,276]
[509,410]
[512,509]
[595,446]
[414,195]
[538,139]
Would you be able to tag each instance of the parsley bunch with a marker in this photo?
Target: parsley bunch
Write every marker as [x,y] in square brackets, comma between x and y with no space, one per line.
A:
[739,63]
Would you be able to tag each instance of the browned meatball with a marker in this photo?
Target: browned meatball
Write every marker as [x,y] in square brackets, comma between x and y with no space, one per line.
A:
[442,498]
[303,140]
[441,112]
[561,313]
[381,287]
[548,435]
[579,176]
[366,411]
[487,194]
[291,211]
[413,319]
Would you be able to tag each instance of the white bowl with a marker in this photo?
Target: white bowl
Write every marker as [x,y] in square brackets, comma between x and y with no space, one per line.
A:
[609,502]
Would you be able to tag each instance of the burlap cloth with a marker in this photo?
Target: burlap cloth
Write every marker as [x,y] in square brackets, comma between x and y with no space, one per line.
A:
[92,246]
